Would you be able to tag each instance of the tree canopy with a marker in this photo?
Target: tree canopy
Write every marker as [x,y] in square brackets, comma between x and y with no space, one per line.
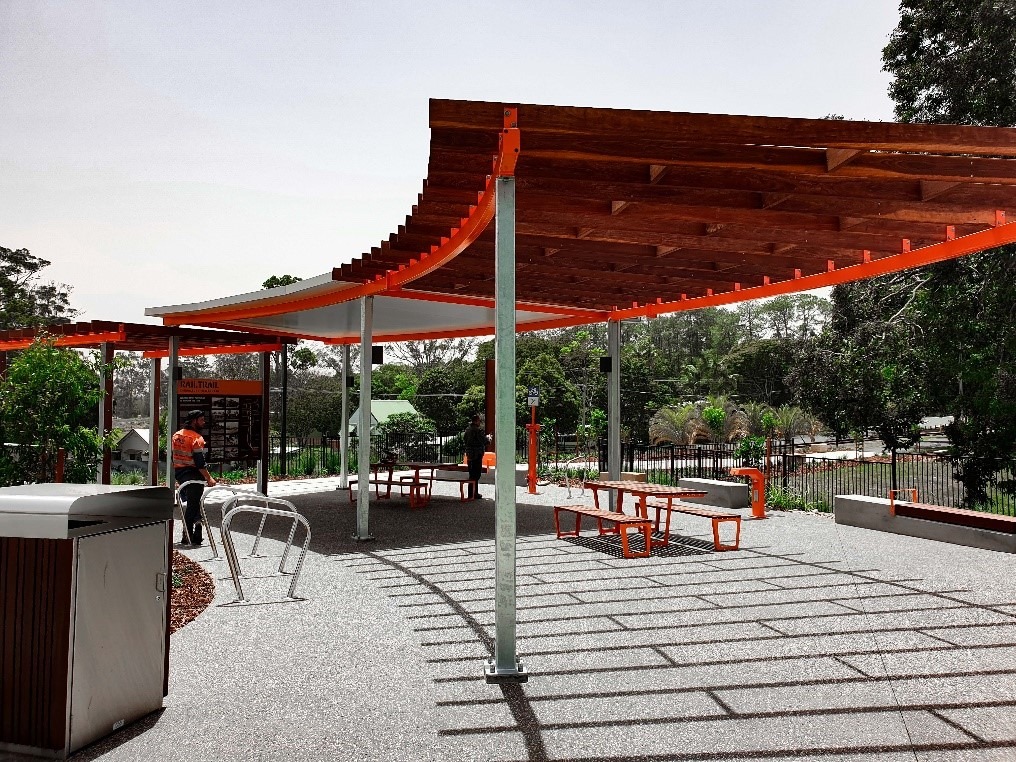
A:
[25,300]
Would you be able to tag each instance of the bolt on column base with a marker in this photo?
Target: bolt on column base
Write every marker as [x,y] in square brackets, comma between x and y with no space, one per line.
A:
[517,675]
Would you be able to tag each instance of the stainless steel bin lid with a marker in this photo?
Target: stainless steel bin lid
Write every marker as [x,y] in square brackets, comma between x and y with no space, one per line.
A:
[68,510]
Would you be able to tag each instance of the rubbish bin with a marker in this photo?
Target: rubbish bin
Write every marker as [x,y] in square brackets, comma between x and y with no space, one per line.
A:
[84,612]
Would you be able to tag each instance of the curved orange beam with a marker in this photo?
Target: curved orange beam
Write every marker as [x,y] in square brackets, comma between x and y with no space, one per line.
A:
[534,325]
[938,252]
[470,228]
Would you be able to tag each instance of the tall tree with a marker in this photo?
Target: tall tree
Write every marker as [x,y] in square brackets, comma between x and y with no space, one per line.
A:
[25,300]
[954,61]
[48,400]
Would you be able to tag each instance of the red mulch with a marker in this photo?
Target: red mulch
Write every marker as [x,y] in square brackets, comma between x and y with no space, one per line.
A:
[193,591]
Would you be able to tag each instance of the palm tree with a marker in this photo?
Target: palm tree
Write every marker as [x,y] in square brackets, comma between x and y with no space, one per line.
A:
[673,424]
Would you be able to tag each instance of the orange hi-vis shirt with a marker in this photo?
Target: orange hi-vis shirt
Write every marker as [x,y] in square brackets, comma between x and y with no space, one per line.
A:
[188,449]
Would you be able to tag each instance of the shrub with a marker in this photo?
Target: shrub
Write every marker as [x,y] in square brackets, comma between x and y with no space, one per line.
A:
[786,499]
[127,477]
[308,463]
[333,463]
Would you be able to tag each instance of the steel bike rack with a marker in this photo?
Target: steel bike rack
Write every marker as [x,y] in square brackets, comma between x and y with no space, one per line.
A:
[232,508]
[205,498]
[183,508]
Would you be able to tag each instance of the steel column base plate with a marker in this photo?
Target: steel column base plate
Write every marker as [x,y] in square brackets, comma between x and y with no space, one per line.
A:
[368,538]
[518,675]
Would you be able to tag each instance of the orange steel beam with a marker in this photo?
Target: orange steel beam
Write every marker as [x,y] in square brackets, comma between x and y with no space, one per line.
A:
[483,301]
[535,325]
[909,258]
[80,340]
[230,349]
[470,228]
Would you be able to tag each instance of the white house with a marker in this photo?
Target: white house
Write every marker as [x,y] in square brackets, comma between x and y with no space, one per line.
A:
[380,411]
[132,452]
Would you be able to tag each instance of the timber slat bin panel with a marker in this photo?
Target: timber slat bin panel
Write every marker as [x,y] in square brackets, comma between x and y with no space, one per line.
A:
[959,516]
[35,610]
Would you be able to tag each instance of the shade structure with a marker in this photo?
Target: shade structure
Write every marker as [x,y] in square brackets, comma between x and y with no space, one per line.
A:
[637,213]
[152,340]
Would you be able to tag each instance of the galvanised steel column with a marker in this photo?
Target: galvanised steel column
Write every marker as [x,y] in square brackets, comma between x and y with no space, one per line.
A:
[172,368]
[344,432]
[106,350]
[153,427]
[614,402]
[505,666]
[363,425]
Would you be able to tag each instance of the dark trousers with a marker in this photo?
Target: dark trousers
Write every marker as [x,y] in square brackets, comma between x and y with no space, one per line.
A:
[192,515]
[474,459]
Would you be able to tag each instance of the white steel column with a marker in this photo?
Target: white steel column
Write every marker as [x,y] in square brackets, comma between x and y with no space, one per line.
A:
[363,425]
[155,378]
[344,431]
[173,368]
[614,402]
[505,666]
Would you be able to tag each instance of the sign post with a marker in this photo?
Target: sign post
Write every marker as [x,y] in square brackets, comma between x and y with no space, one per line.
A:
[534,437]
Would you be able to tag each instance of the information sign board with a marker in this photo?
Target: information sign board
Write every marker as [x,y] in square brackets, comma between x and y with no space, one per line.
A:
[232,416]
[534,396]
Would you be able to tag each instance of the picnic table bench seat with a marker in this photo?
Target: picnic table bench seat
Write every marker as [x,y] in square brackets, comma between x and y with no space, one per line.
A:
[620,522]
[419,489]
[716,515]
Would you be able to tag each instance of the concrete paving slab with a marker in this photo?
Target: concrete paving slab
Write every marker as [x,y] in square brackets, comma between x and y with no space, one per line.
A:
[348,673]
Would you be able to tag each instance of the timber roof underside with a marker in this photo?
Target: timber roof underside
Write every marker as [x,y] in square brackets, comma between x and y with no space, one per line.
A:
[616,207]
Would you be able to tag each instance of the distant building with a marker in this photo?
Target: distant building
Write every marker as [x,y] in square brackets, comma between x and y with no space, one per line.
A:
[132,452]
[380,411]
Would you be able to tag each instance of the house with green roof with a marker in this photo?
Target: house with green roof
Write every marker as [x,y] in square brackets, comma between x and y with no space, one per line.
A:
[380,411]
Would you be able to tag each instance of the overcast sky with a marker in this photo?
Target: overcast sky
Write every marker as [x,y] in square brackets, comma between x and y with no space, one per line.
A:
[167,152]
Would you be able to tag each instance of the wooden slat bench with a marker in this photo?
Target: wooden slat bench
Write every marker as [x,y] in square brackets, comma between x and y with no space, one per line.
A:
[620,521]
[457,474]
[960,516]
[717,516]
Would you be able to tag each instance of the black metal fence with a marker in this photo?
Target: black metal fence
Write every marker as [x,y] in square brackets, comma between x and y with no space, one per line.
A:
[799,480]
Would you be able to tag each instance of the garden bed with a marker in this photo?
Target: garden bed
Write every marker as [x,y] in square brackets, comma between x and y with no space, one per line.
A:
[193,591]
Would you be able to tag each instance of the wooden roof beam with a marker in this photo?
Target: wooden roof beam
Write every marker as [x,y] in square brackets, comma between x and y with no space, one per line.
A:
[616,207]
[656,172]
[837,157]
[933,189]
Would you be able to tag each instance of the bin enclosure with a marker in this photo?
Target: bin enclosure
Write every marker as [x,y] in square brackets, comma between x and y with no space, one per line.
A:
[84,593]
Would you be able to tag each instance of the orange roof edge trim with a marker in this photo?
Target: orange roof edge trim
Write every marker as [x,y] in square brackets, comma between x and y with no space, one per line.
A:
[509,147]
[84,340]
[939,252]
[535,325]
[220,350]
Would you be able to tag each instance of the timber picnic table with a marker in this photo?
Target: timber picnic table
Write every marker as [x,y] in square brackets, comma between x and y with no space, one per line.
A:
[642,491]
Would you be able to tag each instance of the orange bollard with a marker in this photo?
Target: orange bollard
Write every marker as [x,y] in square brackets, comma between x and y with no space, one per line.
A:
[534,446]
[758,490]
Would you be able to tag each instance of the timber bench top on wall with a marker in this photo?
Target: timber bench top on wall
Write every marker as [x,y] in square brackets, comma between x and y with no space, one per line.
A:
[959,516]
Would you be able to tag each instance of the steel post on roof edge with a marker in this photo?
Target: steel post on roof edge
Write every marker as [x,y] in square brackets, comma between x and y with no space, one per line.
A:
[363,425]
[172,367]
[614,402]
[106,354]
[155,377]
[344,431]
[505,665]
